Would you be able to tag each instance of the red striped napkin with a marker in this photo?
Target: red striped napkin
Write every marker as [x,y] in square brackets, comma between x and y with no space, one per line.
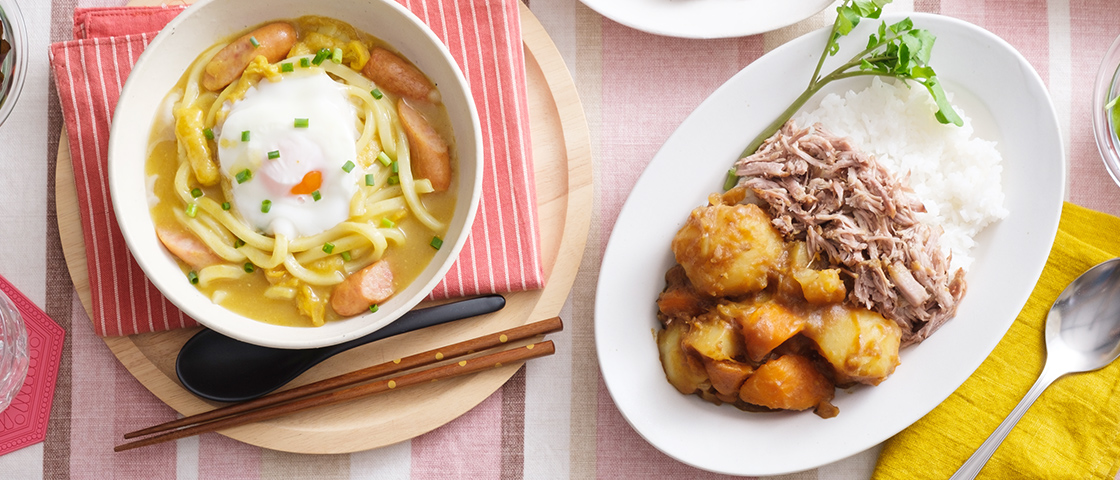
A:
[502,253]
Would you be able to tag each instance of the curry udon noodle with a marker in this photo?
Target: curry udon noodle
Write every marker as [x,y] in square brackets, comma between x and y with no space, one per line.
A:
[302,172]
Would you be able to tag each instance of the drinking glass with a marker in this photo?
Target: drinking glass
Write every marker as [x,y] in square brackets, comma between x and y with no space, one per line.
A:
[13,351]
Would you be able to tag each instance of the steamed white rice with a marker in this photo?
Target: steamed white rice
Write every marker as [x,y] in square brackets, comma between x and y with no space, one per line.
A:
[955,175]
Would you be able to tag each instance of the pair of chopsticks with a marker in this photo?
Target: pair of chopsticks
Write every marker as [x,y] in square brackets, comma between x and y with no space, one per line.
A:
[331,391]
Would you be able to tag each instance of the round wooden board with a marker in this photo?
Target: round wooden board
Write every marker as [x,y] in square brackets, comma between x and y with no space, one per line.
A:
[562,162]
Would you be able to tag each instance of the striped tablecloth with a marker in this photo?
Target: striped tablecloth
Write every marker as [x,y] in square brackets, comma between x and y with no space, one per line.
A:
[555,418]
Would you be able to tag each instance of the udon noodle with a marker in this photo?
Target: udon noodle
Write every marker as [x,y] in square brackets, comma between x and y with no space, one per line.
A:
[392,214]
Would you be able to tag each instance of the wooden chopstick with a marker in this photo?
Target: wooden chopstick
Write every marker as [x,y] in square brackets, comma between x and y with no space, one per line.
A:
[463,367]
[369,373]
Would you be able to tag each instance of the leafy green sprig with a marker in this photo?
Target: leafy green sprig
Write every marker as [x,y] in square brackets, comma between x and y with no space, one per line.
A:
[899,50]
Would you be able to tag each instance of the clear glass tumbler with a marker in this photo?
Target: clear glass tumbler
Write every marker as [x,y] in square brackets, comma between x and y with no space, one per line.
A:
[13,351]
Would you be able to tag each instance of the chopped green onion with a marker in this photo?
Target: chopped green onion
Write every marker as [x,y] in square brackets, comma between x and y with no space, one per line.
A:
[436,242]
[346,256]
[370,180]
[192,210]
[732,179]
[301,123]
[243,176]
[336,55]
[373,308]
[386,223]
[248,267]
[208,133]
[316,195]
[226,206]
[238,243]
[305,62]
[348,166]
[395,167]
[256,43]
[197,192]
[328,247]
[376,93]
[384,159]
[321,55]
[266,206]
[393,180]
[273,155]
[193,277]
[287,67]
[245,136]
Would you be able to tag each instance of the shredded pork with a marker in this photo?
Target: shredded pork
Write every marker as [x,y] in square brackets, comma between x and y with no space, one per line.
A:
[857,215]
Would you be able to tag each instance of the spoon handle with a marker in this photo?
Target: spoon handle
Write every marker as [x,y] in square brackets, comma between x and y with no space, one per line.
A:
[979,458]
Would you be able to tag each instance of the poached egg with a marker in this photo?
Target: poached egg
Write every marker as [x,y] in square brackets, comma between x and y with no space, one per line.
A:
[288,151]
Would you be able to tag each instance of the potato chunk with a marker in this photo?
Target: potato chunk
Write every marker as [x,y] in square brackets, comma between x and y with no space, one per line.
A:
[860,344]
[817,286]
[713,338]
[680,370]
[728,250]
[788,382]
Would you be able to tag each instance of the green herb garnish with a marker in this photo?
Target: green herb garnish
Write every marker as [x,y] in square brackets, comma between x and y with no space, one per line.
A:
[243,176]
[384,159]
[897,50]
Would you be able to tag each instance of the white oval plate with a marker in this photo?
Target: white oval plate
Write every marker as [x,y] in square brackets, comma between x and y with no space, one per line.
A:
[1007,102]
[707,18]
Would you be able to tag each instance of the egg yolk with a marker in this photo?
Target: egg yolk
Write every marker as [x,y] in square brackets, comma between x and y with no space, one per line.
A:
[310,183]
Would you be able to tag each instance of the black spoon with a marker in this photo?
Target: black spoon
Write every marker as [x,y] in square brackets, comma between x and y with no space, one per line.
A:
[216,367]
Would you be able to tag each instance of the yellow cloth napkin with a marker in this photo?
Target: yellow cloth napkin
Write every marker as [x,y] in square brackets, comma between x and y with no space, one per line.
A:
[1070,432]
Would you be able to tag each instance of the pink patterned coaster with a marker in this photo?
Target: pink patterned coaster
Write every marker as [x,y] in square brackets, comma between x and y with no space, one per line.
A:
[24,422]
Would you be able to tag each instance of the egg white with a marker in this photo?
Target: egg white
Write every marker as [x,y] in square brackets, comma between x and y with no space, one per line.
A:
[268,112]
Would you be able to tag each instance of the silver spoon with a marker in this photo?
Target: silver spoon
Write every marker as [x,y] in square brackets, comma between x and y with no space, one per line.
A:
[1082,335]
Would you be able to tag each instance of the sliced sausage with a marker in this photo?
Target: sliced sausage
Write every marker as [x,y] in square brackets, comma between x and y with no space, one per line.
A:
[430,157]
[275,41]
[368,286]
[395,75]
[187,247]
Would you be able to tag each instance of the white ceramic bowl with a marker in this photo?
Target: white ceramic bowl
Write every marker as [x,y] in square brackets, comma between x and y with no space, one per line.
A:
[156,73]
[13,64]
